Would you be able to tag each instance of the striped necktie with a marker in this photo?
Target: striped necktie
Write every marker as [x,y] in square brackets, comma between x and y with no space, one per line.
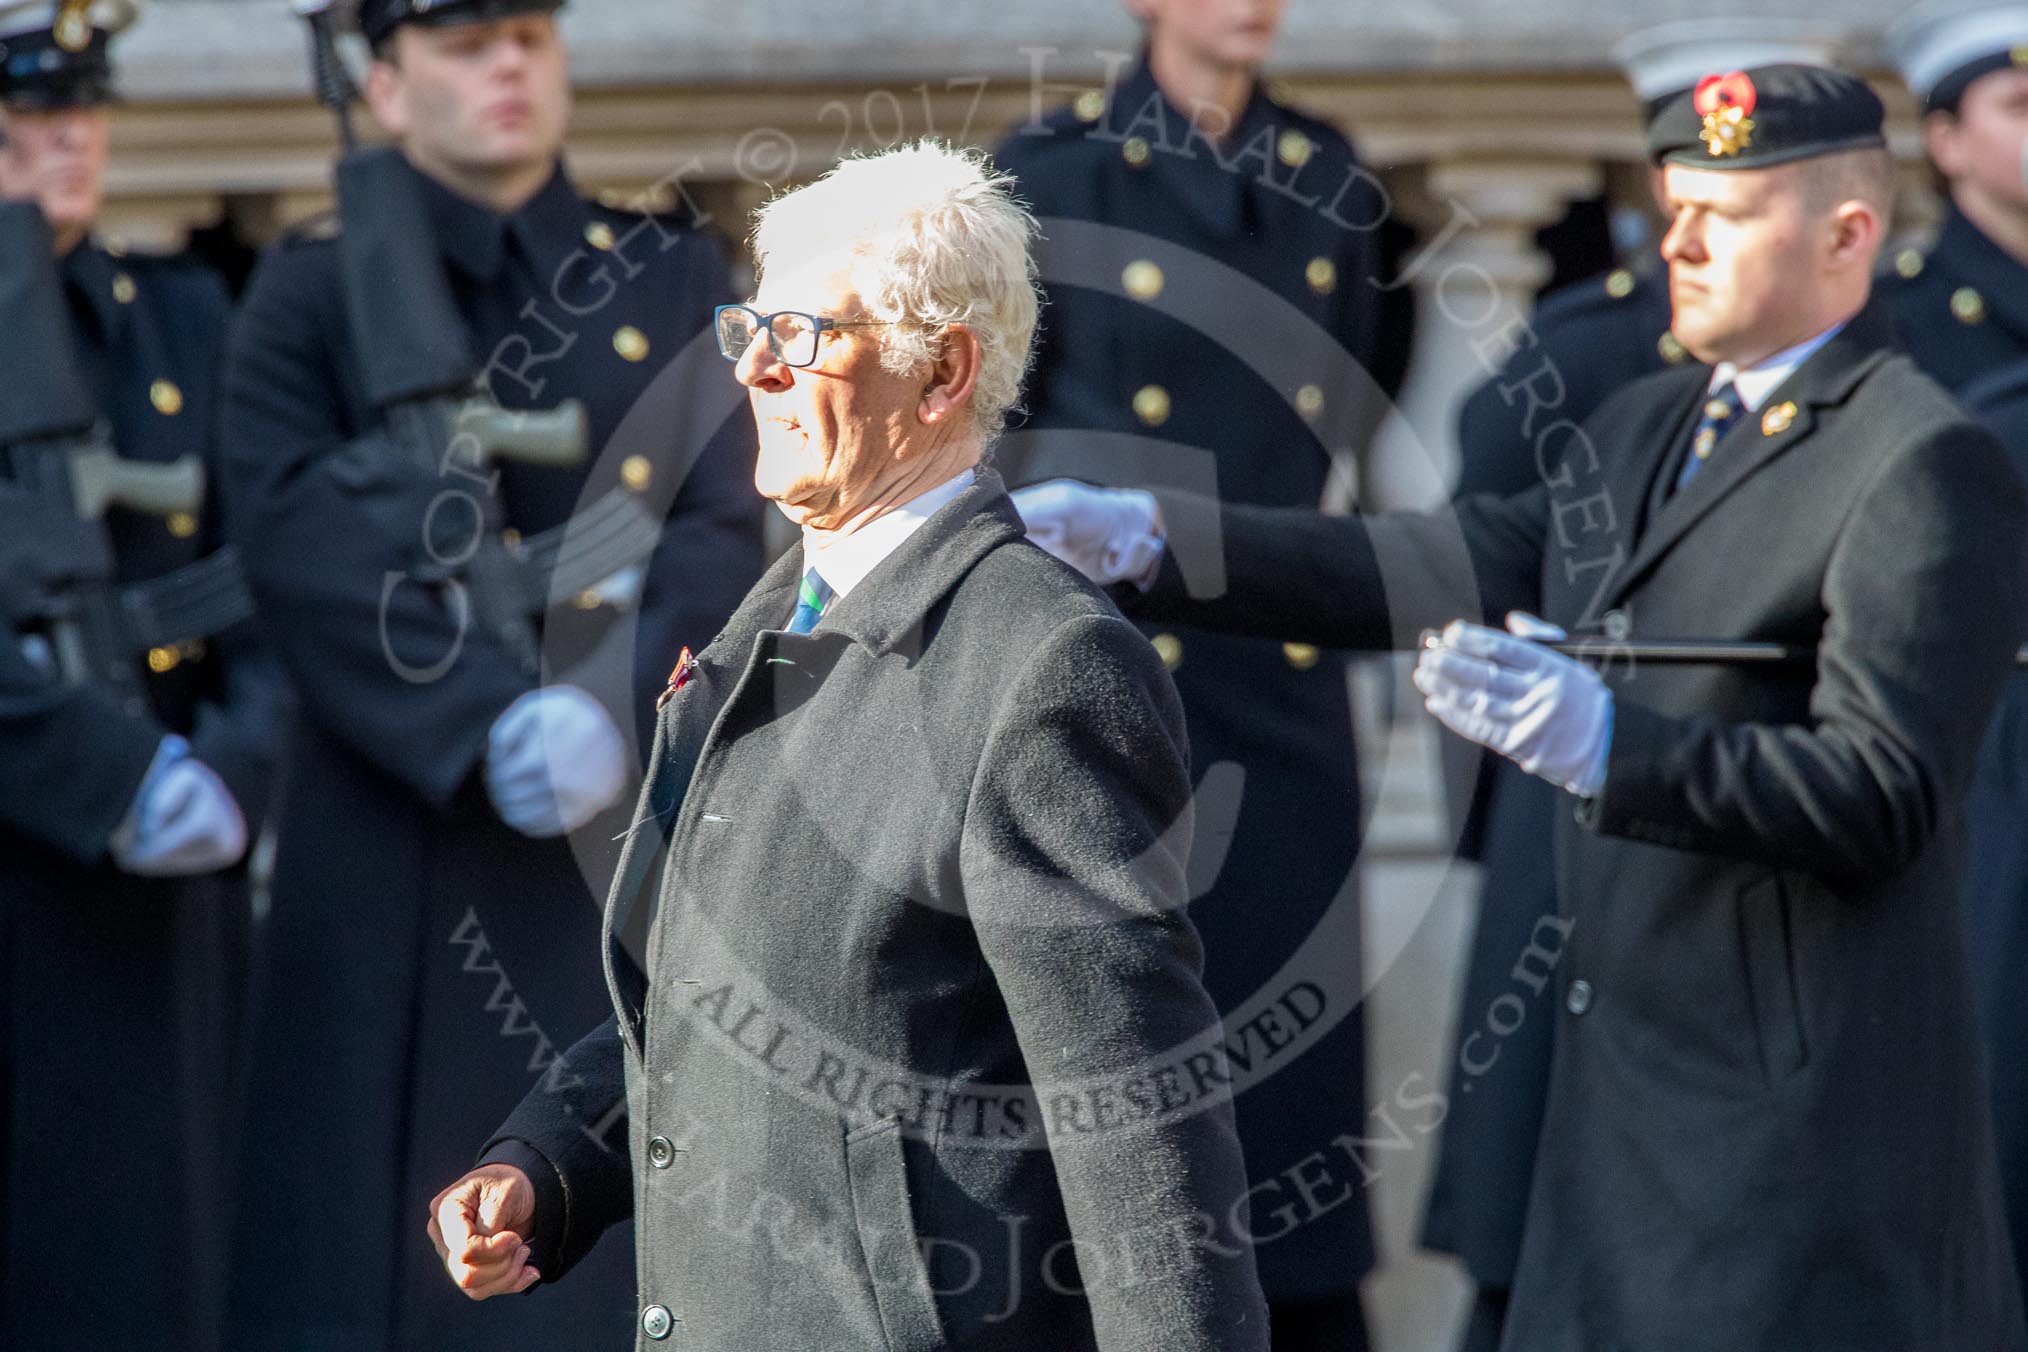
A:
[1721,411]
[811,599]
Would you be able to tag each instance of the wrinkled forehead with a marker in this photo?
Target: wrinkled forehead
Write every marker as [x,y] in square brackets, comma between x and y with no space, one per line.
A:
[820,284]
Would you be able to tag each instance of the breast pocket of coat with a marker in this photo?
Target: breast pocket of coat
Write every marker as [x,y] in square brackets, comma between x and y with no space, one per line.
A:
[1767,939]
[884,1216]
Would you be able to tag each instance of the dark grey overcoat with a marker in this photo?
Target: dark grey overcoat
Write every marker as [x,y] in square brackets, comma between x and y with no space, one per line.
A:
[917,861]
[1767,1123]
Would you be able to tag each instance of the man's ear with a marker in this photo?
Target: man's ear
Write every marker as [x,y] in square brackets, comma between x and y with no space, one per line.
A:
[953,375]
[1856,230]
[387,93]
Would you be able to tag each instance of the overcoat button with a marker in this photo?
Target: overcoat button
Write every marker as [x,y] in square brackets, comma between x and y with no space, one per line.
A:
[656,1322]
[1578,998]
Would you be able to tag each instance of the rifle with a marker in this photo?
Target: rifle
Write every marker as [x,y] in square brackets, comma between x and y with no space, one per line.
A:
[61,476]
[441,433]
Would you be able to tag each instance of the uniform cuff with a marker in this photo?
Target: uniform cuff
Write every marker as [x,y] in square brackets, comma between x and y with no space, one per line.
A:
[546,1234]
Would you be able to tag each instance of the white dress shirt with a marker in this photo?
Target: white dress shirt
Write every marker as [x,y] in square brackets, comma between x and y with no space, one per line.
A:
[843,561]
[1760,380]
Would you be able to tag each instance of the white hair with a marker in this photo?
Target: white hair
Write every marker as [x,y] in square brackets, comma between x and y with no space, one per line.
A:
[933,235]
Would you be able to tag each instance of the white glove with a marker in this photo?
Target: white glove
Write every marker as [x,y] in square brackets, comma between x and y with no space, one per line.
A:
[554,761]
[183,821]
[1548,713]
[1108,534]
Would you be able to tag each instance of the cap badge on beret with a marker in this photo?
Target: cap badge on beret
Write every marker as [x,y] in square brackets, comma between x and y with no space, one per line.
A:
[1726,101]
[73,26]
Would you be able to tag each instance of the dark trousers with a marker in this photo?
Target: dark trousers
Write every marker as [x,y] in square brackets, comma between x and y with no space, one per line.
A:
[1337,1324]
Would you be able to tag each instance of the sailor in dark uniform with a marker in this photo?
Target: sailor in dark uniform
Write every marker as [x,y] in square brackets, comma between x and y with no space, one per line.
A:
[1962,307]
[127,794]
[1213,259]
[1586,341]
[1963,314]
[454,807]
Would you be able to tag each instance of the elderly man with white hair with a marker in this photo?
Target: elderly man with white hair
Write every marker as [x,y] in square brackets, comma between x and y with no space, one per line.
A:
[922,1059]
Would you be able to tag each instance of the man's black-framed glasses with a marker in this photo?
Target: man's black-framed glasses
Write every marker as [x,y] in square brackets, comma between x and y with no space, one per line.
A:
[792,334]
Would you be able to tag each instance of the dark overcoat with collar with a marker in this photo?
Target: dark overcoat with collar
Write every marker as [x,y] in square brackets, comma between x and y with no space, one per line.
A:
[1996,881]
[1767,1121]
[1215,311]
[119,996]
[1586,341]
[923,1059]
[425,961]
[1961,310]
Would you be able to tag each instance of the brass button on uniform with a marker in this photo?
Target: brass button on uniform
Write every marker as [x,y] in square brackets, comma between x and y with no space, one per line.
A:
[1310,401]
[588,599]
[631,343]
[116,245]
[656,1321]
[1301,656]
[124,290]
[1090,105]
[511,538]
[599,235]
[1671,348]
[1142,279]
[1968,305]
[1619,283]
[1322,275]
[163,660]
[1170,649]
[182,525]
[1137,152]
[1295,149]
[1909,263]
[167,399]
[661,1152]
[637,472]
[1151,405]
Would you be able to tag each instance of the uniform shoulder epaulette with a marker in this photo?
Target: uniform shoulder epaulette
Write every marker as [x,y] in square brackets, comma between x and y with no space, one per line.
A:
[1329,135]
[1601,293]
[620,210]
[323,226]
[1065,125]
[150,263]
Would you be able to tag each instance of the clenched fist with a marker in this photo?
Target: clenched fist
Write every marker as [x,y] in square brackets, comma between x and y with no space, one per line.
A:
[479,1225]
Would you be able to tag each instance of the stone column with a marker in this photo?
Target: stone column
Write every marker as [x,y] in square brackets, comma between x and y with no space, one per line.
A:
[1475,278]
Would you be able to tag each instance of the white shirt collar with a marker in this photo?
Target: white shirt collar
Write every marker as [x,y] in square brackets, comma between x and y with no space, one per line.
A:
[1757,382]
[843,561]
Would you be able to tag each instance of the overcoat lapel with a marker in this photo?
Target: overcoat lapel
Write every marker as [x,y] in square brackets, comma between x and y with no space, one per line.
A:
[1825,380]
